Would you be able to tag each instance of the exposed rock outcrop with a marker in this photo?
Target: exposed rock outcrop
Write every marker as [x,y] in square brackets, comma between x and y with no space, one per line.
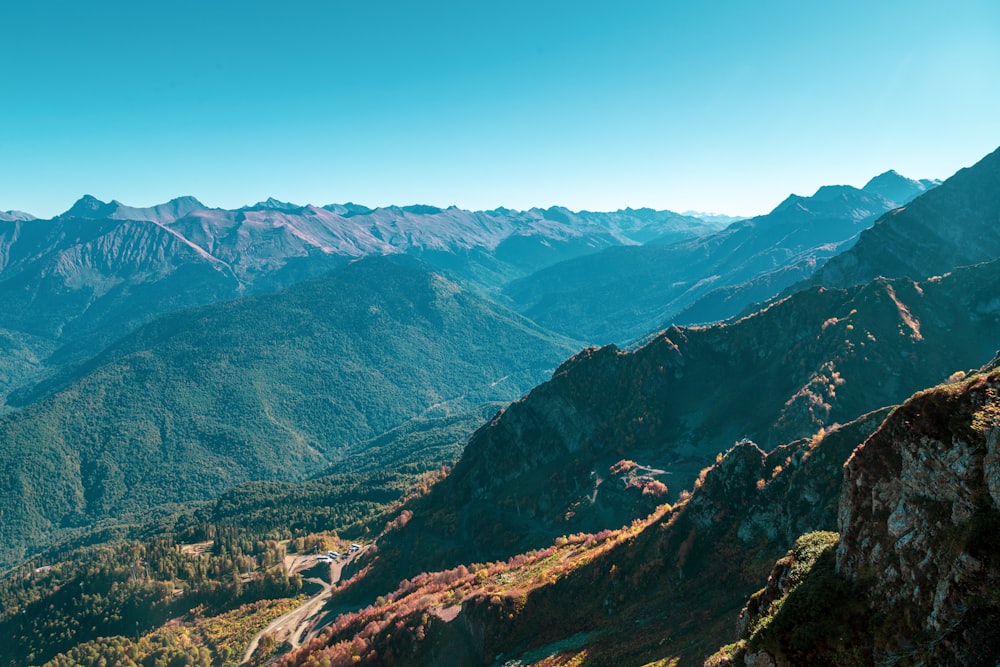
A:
[920,516]
[915,578]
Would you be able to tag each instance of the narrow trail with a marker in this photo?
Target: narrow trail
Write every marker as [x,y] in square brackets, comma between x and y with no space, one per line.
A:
[291,627]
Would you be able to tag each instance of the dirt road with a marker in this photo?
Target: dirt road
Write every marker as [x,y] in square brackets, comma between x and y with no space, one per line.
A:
[292,626]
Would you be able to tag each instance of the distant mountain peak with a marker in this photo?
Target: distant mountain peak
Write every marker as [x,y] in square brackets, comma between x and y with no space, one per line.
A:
[789,201]
[894,188]
[273,204]
[898,188]
[348,209]
[15,216]
[710,216]
[828,192]
[89,206]
[186,200]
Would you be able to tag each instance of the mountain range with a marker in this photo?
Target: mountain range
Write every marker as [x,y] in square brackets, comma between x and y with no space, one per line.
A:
[611,429]
[929,236]
[604,517]
[545,466]
[72,285]
[275,386]
[623,293]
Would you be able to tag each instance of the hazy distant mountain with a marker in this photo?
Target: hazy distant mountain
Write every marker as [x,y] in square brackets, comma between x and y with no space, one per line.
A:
[353,231]
[955,224]
[270,387]
[76,283]
[623,293]
[13,216]
[715,217]
[271,204]
[89,207]
[348,209]
[897,188]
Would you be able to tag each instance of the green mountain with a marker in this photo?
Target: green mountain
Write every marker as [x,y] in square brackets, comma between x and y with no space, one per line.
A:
[545,466]
[603,519]
[73,285]
[272,387]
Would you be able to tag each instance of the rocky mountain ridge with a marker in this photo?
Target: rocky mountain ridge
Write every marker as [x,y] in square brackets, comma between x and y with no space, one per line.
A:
[666,587]
[542,467]
[14,216]
[955,224]
[356,230]
[912,576]
[627,292]
[679,573]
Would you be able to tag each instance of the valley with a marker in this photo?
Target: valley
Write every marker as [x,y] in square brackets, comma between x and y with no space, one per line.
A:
[565,438]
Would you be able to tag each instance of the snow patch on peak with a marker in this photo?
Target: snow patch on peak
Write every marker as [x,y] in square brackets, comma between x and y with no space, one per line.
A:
[16,216]
[897,188]
[272,204]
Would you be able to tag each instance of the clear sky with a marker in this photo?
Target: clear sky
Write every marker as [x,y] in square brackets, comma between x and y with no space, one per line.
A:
[714,105]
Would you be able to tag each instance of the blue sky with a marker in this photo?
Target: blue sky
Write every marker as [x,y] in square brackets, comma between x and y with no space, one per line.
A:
[682,104]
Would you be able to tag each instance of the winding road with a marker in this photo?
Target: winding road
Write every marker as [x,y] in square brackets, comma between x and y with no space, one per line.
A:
[290,627]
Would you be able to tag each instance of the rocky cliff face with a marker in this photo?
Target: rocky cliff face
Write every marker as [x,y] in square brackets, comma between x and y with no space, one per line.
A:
[914,578]
[920,517]
[664,588]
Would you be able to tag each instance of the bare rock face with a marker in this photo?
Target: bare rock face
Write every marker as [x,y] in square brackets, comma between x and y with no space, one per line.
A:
[920,521]
[732,483]
[759,659]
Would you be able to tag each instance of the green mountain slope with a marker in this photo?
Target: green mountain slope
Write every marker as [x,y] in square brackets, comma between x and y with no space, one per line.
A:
[545,465]
[75,284]
[272,387]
